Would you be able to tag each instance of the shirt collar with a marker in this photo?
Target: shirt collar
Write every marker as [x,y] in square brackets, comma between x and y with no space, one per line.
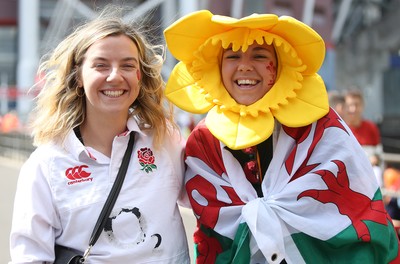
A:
[75,147]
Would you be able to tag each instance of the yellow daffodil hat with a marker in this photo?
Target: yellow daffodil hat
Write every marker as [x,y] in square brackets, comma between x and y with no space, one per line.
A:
[297,98]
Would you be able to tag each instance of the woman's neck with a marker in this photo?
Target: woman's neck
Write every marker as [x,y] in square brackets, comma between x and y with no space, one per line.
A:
[99,133]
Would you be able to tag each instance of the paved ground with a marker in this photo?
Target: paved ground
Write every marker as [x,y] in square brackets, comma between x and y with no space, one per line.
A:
[9,170]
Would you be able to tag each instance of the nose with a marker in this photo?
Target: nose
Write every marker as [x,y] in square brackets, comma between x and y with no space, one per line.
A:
[244,65]
[114,75]
[351,108]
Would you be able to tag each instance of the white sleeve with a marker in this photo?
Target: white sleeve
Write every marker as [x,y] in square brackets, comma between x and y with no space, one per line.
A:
[34,218]
[176,149]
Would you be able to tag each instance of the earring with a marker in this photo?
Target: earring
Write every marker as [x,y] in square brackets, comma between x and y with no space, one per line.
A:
[77,91]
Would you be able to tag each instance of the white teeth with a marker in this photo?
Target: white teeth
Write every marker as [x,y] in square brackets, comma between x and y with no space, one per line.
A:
[113,93]
[251,82]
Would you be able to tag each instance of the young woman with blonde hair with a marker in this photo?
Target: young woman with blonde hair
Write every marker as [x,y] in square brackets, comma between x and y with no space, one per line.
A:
[102,83]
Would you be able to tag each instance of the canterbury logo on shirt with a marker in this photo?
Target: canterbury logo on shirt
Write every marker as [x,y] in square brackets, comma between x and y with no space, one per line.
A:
[78,174]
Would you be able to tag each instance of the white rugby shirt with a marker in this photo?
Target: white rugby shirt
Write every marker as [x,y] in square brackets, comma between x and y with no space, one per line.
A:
[61,192]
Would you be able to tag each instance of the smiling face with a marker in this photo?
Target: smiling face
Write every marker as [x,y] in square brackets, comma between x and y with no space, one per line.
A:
[110,75]
[248,76]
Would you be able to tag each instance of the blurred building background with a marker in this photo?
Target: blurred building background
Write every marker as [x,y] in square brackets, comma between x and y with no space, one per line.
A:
[362,39]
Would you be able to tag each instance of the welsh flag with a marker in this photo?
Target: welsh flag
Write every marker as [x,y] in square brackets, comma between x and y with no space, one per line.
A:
[321,201]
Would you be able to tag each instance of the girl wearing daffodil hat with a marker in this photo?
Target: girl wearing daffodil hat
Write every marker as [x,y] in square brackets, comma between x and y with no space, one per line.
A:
[273,174]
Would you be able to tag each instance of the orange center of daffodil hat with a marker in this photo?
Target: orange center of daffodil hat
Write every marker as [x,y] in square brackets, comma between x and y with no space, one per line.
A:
[297,98]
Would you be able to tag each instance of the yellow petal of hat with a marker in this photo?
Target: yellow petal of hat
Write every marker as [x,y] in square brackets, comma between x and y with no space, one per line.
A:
[297,98]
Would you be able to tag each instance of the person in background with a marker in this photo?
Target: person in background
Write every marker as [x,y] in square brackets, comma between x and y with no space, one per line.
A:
[337,102]
[366,132]
[376,166]
[102,83]
[272,174]
[10,122]
[391,183]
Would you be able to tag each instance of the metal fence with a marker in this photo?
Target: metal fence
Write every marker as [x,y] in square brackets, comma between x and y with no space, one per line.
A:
[16,146]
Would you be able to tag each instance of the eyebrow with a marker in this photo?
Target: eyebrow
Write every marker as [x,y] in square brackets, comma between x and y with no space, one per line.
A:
[131,58]
[262,48]
[124,59]
[255,49]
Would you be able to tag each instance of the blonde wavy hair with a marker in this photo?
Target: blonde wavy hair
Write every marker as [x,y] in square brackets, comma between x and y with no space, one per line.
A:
[59,108]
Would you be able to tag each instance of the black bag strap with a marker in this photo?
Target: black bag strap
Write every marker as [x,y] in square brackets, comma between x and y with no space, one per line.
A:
[112,197]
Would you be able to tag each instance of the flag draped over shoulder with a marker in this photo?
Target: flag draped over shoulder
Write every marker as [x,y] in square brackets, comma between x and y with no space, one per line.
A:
[321,201]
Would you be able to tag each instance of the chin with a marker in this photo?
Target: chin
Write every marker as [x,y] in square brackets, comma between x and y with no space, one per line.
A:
[246,102]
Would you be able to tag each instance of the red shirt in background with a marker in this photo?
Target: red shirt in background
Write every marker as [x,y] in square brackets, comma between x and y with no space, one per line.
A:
[367,133]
